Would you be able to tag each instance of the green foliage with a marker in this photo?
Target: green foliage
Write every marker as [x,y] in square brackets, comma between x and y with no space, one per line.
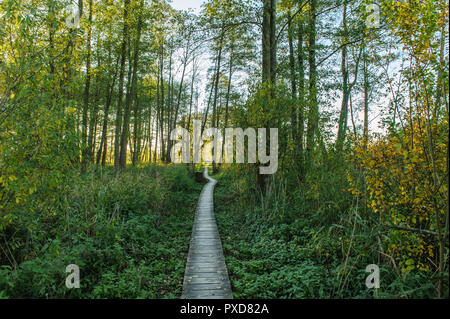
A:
[309,247]
[308,231]
[38,140]
[129,235]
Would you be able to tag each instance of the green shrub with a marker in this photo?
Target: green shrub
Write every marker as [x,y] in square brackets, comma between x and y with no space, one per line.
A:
[129,235]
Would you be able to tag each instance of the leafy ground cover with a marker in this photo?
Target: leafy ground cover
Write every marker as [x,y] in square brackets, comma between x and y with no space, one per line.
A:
[282,251]
[129,235]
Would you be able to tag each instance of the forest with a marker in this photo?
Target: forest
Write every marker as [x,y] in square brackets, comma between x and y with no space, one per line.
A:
[91,92]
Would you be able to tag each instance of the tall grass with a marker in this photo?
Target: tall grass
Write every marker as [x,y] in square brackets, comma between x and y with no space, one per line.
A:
[128,234]
[309,240]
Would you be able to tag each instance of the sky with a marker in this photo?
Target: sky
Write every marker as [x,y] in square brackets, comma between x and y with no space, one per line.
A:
[196,5]
[186,4]
[206,63]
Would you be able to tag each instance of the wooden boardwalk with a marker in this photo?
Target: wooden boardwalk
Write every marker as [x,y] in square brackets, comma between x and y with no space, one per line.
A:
[206,275]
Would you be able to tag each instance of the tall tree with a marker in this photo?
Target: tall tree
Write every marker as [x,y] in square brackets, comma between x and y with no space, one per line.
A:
[131,92]
[313,116]
[119,115]
[84,146]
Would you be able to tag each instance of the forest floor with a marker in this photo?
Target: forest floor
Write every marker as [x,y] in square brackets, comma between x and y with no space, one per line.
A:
[266,259]
[130,237]
[283,251]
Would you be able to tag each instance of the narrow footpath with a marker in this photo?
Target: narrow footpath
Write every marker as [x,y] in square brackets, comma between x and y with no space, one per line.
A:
[206,275]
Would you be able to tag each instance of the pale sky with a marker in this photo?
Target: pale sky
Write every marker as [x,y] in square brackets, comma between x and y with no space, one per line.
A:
[186,4]
[196,5]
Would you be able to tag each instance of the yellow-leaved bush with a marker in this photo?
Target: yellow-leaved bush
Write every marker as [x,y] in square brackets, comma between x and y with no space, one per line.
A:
[398,184]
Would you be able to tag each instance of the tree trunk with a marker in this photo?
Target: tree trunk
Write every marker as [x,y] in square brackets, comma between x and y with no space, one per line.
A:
[161,122]
[150,135]
[137,132]
[169,108]
[269,53]
[130,95]
[301,101]
[158,107]
[313,116]
[180,91]
[93,125]
[118,130]
[230,74]
[216,89]
[84,124]
[104,140]
[268,42]
[191,100]
[366,101]
[293,81]
[343,118]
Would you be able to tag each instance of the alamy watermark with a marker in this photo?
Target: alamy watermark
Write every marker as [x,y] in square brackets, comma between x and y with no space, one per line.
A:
[373,15]
[373,280]
[73,279]
[222,150]
[73,17]
[373,11]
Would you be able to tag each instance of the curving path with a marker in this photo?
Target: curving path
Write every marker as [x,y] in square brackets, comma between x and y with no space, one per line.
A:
[206,275]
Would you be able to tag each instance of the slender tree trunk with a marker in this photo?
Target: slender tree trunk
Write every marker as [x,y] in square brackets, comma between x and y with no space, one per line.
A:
[92,140]
[269,54]
[216,90]
[293,80]
[158,107]
[150,134]
[180,91]
[230,74]
[130,95]
[441,91]
[301,101]
[84,146]
[118,129]
[343,119]
[51,35]
[268,42]
[205,119]
[170,90]
[161,122]
[273,43]
[93,125]
[137,132]
[366,100]
[313,116]
[191,99]
[104,140]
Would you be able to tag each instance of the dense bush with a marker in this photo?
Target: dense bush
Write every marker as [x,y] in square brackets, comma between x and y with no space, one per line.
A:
[305,245]
[129,235]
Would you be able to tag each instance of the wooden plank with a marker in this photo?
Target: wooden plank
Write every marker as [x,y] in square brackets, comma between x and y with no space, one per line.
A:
[206,275]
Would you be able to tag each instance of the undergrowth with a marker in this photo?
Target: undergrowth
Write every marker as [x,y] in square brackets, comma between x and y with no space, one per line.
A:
[129,235]
[302,242]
